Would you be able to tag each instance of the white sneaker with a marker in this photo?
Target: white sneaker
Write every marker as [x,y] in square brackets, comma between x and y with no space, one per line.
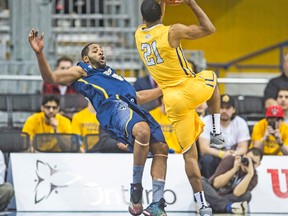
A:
[205,211]
[217,141]
[239,207]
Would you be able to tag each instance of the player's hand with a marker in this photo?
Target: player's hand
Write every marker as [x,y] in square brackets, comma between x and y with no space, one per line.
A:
[123,147]
[36,42]
[184,1]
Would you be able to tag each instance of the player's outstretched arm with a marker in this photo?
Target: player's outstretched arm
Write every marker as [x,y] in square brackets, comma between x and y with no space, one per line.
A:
[162,5]
[63,77]
[191,32]
[148,95]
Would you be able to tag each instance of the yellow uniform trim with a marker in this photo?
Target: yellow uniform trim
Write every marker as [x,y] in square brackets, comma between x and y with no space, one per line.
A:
[130,117]
[97,87]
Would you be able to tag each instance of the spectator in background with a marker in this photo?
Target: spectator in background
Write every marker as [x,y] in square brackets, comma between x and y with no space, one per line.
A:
[47,88]
[271,134]
[229,189]
[144,83]
[6,189]
[282,100]
[235,132]
[159,114]
[47,121]
[275,84]
[85,122]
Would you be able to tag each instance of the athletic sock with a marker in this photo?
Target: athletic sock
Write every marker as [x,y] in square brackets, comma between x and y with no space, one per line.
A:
[137,174]
[158,189]
[215,118]
[200,198]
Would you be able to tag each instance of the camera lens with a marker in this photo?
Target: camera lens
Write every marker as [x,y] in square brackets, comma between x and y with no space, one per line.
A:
[245,161]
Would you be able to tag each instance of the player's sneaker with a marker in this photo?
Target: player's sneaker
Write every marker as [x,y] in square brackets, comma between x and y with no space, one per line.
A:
[205,211]
[239,207]
[217,141]
[135,207]
[156,209]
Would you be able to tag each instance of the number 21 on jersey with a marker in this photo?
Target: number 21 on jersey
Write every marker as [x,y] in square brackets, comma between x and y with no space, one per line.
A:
[151,54]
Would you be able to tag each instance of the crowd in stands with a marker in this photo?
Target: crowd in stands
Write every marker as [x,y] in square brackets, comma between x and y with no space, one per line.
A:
[223,170]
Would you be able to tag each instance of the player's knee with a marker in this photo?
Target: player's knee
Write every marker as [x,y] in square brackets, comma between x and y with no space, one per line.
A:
[160,148]
[141,132]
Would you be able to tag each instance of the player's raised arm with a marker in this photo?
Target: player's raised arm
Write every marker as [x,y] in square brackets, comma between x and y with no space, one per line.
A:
[63,77]
[162,5]
[191,32]
[148,95]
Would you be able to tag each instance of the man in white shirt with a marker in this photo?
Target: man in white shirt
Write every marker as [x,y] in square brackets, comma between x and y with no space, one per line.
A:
[6,190]
[282,100]
[235,132]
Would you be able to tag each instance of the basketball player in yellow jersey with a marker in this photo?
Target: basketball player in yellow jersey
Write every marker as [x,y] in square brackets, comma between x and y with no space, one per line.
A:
[159,47]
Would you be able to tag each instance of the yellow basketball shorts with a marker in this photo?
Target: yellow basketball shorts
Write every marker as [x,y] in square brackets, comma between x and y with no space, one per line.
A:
[180,103]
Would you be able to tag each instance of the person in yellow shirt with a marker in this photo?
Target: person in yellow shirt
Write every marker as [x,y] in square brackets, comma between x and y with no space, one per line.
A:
[48,121]
[271,134]
[85,122]
[159,114]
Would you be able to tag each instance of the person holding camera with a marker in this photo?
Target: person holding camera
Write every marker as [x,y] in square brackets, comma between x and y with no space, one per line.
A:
[235,132]
[229,189]
[271,134]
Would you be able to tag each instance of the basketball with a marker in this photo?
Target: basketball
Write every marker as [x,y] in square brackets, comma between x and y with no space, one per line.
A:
[170,2]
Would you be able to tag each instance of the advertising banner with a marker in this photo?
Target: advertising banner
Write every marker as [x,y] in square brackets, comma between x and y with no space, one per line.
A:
[90,182]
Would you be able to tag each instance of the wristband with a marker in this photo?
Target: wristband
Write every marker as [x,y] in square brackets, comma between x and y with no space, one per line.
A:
[221,153]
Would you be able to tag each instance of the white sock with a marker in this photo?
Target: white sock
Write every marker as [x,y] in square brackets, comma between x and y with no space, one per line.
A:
[215,119]
[200,198]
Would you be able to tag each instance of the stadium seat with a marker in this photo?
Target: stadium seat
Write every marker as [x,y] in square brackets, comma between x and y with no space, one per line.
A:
[90,140]
[56,143]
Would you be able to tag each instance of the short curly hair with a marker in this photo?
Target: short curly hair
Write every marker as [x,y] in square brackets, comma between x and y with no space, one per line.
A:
[151,10]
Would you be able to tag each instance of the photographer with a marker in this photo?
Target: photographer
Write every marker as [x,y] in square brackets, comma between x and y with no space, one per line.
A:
[229,189]
[271,134]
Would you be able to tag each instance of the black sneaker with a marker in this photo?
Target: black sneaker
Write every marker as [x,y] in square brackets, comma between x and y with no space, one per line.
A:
[156,209]
[135,207]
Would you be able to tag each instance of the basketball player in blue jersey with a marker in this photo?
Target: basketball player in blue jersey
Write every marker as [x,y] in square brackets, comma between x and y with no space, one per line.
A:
[115,102]
[159,47]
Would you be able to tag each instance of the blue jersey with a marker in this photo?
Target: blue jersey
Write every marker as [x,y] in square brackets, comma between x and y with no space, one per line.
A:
[114,100]
[102,84]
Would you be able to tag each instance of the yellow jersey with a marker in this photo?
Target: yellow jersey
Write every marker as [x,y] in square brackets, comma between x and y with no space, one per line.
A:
[35,124]
[167,65]
[84,122]
[169,134]
[271,146]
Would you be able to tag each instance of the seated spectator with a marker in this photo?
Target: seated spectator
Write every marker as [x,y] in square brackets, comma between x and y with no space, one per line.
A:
[159,114]
[282,100]
[229,189]
[271,134]
[235,132]
[143,83]
[85,122]
[107,144]
[47,88]
[47,121]
[6,189]
[275,84]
